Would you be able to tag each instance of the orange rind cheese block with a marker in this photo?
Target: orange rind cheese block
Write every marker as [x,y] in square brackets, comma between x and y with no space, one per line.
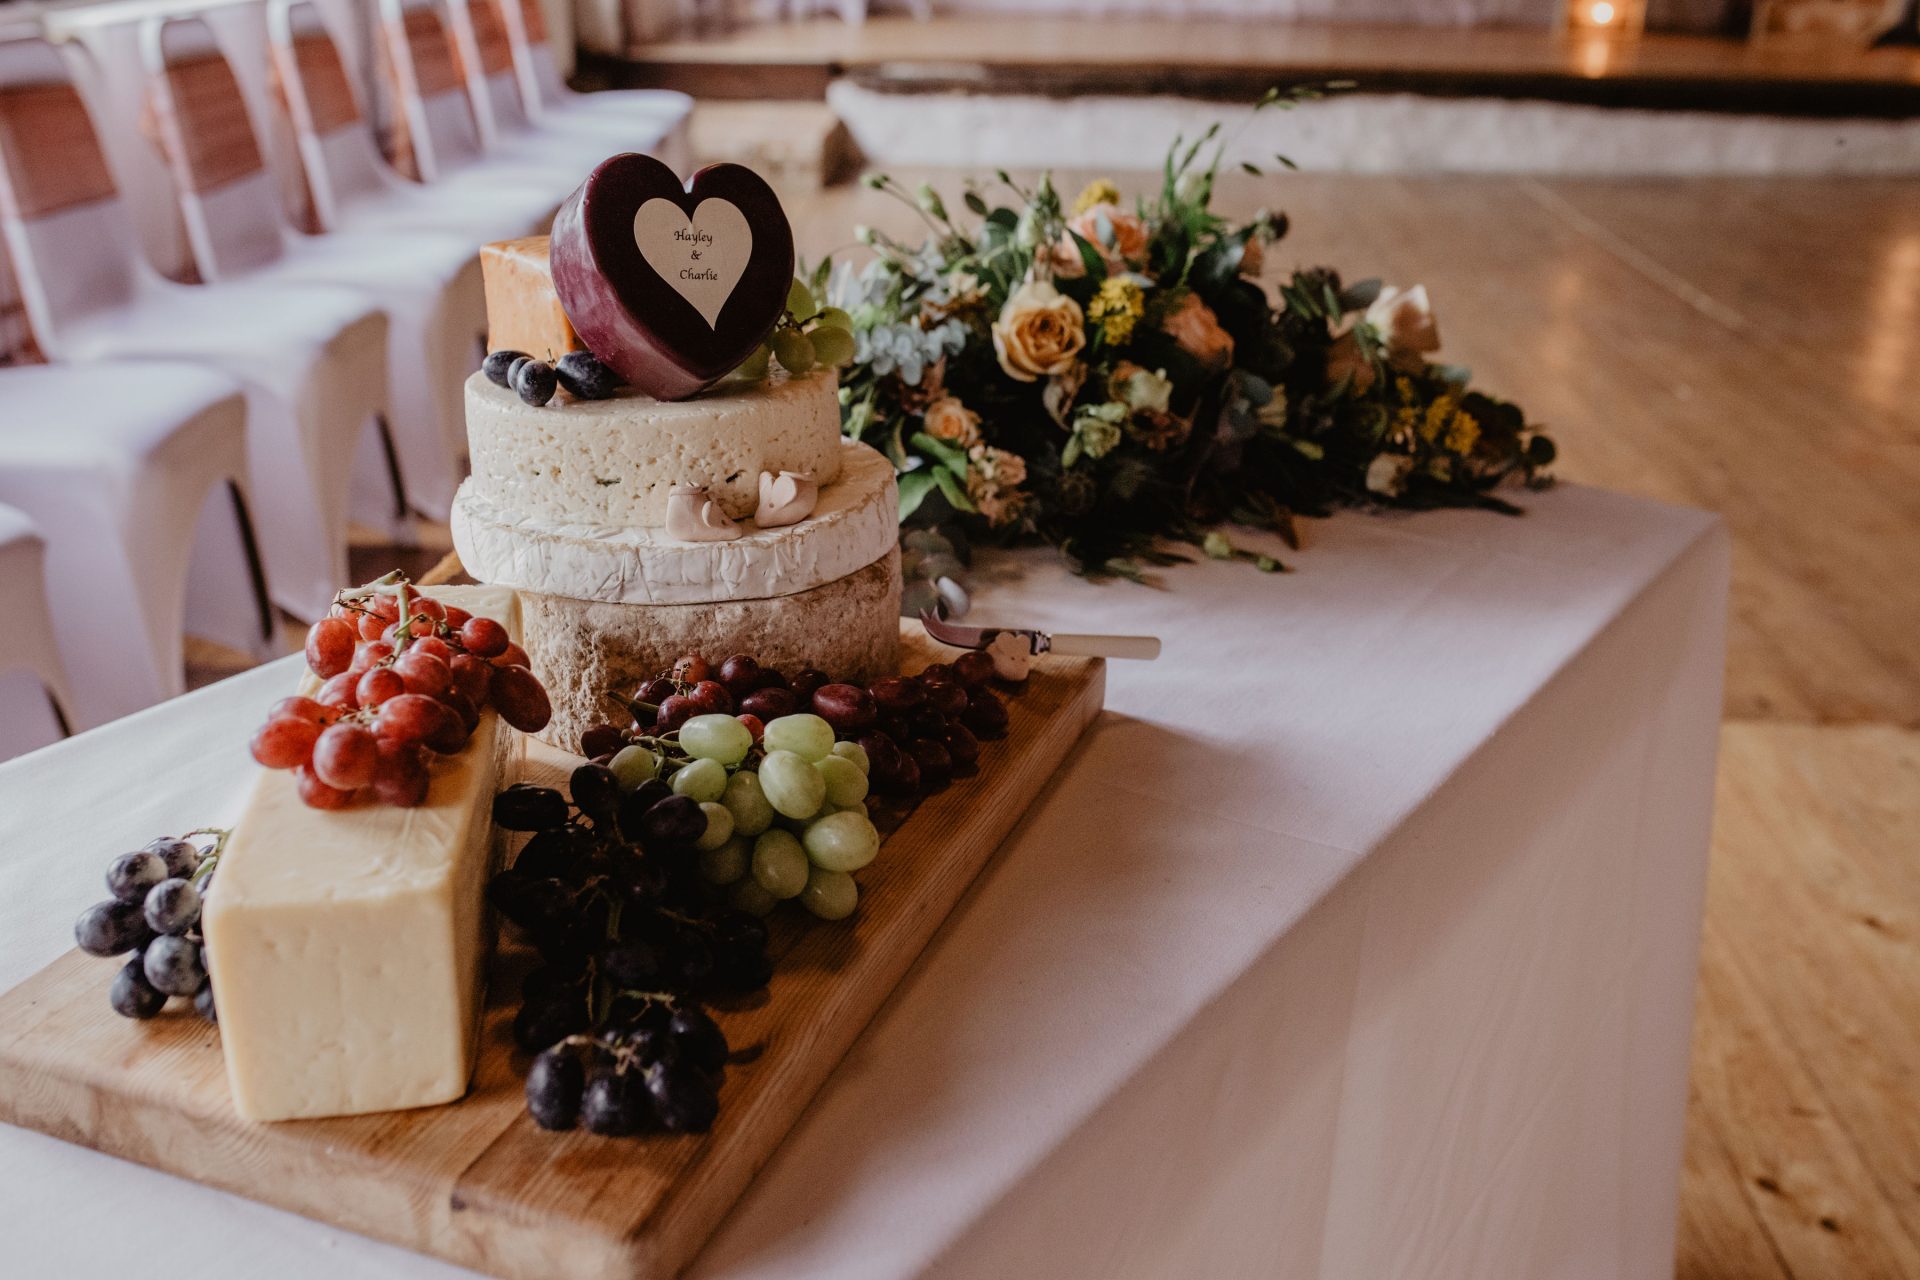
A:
[523,311]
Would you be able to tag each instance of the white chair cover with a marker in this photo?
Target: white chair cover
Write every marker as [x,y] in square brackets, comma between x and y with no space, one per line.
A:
[135,474]
[33,688]
[428,285]
[312,360]
[352,187]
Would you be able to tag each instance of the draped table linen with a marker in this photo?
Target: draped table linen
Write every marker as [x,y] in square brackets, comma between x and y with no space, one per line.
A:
[1357,939]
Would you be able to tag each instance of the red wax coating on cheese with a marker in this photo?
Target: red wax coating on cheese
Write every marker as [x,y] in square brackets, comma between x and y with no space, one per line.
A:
[637,323]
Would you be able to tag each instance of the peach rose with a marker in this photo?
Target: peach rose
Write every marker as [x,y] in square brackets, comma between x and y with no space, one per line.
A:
[1124,243]
[1040,332]
[1194,327]
[948,419]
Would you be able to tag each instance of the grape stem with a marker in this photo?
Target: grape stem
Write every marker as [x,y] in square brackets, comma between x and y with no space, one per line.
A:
[204,872]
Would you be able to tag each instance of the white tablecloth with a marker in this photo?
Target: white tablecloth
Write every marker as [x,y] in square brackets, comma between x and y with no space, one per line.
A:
[1358,941]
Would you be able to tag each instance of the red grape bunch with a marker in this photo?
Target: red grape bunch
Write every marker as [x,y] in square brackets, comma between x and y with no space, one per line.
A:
[918,732]
[406,678]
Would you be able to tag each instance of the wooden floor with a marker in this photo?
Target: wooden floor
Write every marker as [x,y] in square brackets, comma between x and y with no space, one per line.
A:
[1228,60]
[1752,347]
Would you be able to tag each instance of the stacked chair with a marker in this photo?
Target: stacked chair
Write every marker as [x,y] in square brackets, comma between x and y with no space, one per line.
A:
[33,685]
[230,326]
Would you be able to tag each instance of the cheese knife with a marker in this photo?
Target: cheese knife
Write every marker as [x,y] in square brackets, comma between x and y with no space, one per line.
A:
[1084,646]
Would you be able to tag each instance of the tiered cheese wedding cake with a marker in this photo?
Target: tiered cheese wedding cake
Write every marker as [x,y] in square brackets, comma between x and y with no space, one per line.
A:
[568,503]
[638,528]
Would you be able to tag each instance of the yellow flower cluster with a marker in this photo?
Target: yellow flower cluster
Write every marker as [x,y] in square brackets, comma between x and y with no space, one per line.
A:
[1443,422]
[1118,306]
[1101,191]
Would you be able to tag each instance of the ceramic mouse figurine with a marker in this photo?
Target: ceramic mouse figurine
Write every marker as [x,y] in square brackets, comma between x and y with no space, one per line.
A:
[1012,656]
[786,498]
[693,516]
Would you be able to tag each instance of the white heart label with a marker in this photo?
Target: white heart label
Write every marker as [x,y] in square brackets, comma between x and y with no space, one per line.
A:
[702,257]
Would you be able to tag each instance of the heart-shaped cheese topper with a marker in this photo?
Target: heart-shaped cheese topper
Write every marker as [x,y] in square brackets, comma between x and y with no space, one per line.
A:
[672,286]
[703,256]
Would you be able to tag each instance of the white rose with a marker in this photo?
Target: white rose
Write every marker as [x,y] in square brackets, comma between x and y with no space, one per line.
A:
[1404,320]
[1387,474]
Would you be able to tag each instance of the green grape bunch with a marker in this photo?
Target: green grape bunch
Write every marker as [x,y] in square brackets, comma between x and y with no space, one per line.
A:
[807,334]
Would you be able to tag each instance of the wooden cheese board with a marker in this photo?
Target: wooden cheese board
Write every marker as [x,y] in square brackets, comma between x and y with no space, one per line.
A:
[475,1182]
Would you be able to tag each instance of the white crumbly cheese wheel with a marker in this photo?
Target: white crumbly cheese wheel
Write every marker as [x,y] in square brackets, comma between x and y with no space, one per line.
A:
[855,523]
[612,462]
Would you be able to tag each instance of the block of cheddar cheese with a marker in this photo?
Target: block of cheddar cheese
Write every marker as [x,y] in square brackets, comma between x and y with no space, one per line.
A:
[349,948]
[523,311]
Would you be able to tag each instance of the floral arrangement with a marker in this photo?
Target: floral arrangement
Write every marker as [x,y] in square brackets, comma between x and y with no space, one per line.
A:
[1112,378]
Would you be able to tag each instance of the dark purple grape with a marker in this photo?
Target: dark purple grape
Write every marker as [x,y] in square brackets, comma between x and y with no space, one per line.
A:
[904,783]
[498,363]
[173,965]
[675,711]
[973,668]
[549,855]
[172,906]
[112,928]
[132,995]
[712,698]
[807,682]
[770,679]
[595,791]
[927,723]
[132,875]
[656,690]
[584,376]
[847,707]
[691,957]
[740,972]
[677,820]
[601,740]
[522,807]
[203,1003]
[683,1098]
[630,965]
[897,694]
[947,697]
[181,857]
[614,1103]
[555,1083]
[534,381]
[769,704]
[936,766]
[986,715]
[741,675]
[738,928]
[697,1038]
[962,746]
[550,1018]
[528,901]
